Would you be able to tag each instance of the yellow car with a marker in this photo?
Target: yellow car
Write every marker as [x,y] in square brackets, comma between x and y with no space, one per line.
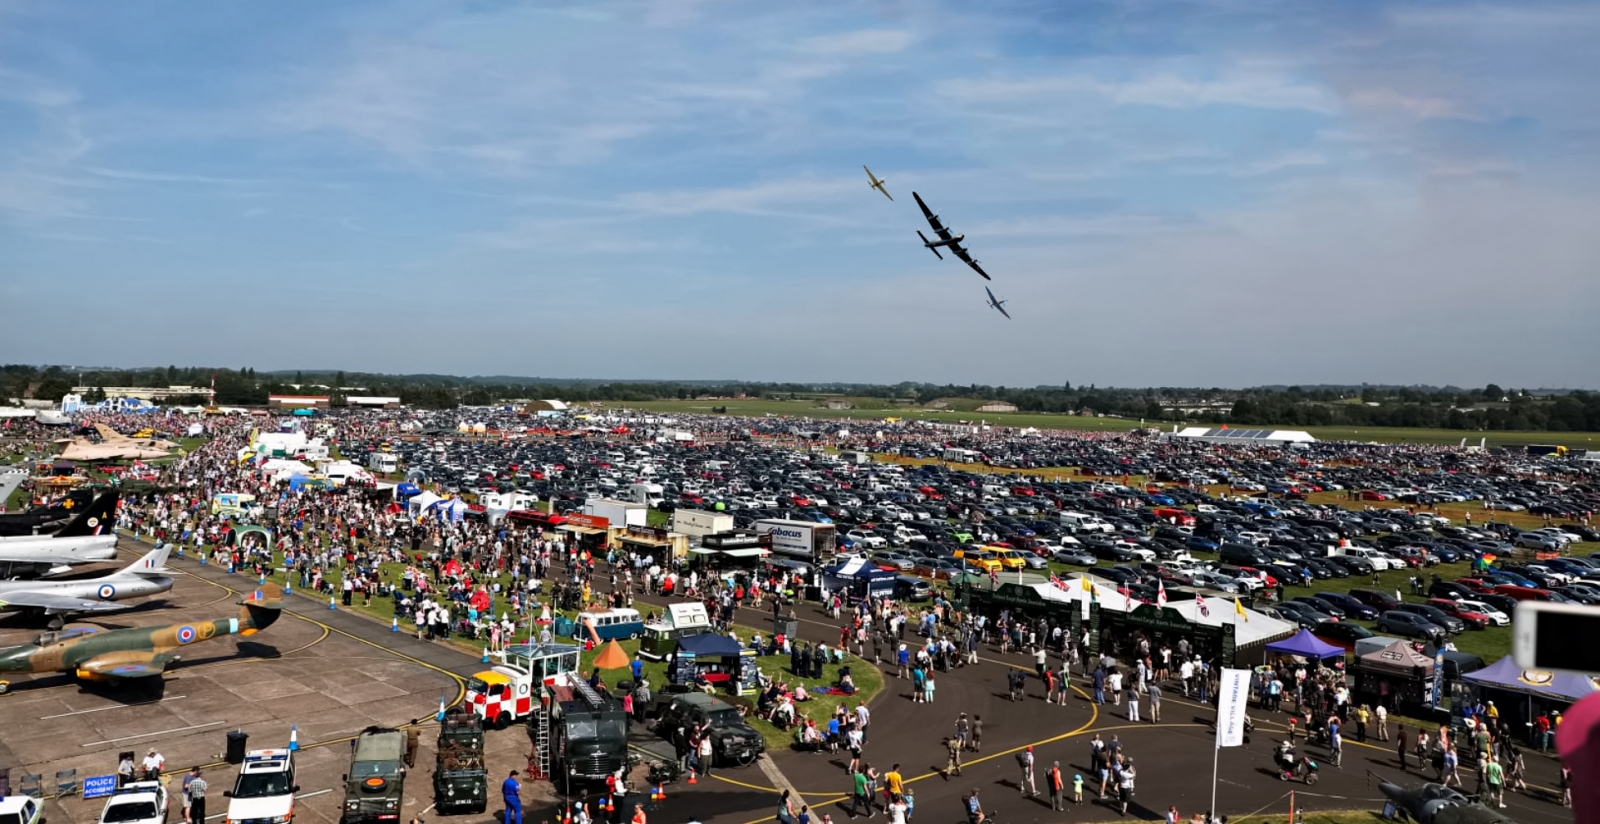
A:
[1008,558]
[981,559]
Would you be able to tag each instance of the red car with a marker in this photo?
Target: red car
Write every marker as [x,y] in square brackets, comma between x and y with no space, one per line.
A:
[1476,584]
[1370,495]
[1266,577]
[1473,620]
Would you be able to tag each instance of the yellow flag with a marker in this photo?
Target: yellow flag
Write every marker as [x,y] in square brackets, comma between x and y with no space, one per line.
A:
[1238,609]
[1087,587]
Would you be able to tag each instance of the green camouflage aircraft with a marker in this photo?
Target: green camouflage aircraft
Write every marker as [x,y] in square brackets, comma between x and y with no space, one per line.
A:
[140,652]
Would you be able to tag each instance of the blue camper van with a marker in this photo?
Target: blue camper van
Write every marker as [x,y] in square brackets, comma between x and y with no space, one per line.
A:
[610,624]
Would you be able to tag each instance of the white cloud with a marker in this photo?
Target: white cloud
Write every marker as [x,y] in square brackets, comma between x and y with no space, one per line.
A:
[1424,108]
[860,42]
[1253,89]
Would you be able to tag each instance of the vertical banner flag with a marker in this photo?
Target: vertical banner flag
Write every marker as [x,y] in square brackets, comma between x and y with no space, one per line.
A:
[1232,704]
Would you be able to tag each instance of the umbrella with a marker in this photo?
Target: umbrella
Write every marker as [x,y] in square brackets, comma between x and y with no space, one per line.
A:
[611,657]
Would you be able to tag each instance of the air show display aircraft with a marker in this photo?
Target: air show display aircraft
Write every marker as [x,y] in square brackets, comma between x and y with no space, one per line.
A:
[877,183]
[997,304]
[946,239]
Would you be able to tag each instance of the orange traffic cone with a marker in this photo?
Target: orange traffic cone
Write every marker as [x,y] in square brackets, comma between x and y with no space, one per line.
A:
[691,777]
[661,793]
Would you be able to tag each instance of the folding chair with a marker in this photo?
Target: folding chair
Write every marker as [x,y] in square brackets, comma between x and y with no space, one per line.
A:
[67,783]
[31,786]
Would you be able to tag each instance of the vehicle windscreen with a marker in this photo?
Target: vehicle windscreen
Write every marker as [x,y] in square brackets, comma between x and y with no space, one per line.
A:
[261,785]
[725,718]
[10,818]
[368,769]
[129,811]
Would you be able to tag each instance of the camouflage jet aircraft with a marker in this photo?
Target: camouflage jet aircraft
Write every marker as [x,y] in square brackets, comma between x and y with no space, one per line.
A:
[115,655]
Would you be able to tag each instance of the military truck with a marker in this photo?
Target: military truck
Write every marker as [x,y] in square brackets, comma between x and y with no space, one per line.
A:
[732,740]
[375,786]
[579,735]
[460,782]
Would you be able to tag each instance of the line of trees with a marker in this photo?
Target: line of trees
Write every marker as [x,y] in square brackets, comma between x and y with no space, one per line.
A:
[1489,408]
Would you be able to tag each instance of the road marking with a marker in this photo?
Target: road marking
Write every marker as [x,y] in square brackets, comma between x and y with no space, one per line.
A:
[152,734]
[112,707]
[297,798]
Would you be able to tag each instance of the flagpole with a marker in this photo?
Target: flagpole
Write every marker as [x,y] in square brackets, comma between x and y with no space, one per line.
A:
[1216,754]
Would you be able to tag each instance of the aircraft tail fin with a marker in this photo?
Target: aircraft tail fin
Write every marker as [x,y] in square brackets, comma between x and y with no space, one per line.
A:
[932,248]
[154,563]
[98,518]
[260,609]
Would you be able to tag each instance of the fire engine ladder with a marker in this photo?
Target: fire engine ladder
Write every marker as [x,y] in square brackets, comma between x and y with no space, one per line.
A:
[539,759]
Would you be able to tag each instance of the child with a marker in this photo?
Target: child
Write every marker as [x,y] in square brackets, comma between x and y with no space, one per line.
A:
[1077,789]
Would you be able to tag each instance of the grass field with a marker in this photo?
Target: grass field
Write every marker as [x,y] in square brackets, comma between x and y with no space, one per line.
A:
[810,408]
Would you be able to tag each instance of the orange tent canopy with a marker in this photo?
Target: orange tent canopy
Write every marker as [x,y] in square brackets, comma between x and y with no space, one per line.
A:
[611,657]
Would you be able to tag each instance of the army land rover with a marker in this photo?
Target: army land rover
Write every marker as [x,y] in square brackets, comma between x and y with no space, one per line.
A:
[375,786]
[460,782]
[732,740]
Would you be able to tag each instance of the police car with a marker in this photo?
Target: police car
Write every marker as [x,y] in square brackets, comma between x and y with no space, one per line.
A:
[20,809]
[139,802]
[264,792]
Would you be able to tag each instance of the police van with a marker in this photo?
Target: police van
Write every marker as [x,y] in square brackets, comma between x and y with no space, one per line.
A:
[265,788]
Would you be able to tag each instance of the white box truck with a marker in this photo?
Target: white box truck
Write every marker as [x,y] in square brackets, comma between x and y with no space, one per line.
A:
[801,540]
[698,524]
[648,494]
[619,513]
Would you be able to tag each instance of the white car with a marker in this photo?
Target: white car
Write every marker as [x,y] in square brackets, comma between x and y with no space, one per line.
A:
[265,789]
[21,809]
[139,802]
[1495,616]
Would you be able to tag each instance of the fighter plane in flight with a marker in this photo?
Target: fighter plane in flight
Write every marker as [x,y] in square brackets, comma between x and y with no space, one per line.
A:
[116,655]
[877,183]
[998,304]
[946,239]
[147,576]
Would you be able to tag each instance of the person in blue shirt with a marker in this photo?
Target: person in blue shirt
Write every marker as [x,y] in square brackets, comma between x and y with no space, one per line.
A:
[638,669]
[511,791]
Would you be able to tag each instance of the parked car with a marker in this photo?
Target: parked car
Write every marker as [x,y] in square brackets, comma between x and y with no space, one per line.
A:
[1376,599]
[1409,625]
[1341,633]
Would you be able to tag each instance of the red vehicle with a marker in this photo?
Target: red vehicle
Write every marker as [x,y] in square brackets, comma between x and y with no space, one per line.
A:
[1473,620]
[1266,577]
[1023,490]
[1372,495]
[1476,584]
[535,518]
[1173,515]
[1522,593]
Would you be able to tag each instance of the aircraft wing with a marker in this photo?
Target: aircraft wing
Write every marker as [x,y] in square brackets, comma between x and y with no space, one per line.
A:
[56,603]
[1003,311]
[966,257]
[933,219]
[127,664]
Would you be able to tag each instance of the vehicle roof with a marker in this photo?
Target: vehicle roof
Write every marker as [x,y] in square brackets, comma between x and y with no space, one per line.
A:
[701,699]
[379,745]
[13,803]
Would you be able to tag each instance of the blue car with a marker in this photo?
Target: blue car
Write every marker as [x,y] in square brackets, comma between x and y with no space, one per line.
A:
[1197,544]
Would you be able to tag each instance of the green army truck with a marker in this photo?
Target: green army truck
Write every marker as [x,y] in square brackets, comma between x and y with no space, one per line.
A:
[375,786]
[460,781]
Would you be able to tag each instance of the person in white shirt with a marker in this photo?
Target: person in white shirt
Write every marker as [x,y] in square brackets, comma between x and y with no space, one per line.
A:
[153,762]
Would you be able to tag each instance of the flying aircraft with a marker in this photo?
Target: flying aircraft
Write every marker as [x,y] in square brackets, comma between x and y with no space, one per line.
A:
[147,576]
[998,304]
[877,183]
[1438,804]
[953,242]
[87,538]
[117,655]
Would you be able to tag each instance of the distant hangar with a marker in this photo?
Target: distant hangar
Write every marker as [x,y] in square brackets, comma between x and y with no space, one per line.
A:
[1259,437]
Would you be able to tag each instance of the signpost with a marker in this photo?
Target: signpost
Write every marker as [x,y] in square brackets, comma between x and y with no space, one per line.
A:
[99,786]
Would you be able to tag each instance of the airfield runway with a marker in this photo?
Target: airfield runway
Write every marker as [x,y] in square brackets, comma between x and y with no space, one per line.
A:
[332,673]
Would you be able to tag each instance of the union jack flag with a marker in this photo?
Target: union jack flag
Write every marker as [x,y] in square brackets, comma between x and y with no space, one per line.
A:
[1201,602]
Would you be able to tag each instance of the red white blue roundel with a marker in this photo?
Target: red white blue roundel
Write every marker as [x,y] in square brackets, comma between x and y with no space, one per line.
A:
[106,592]
[185,634]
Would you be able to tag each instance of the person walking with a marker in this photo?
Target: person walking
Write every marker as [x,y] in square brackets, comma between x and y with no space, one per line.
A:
[1025,783]
[861,794]
[1381,716]
[197,796]
[1496,778]
[952,765]
[1133,701]
[1400,745]
[977,733]
[1057,786]
[1125,784]
[511,793]
[188,778]
[1449,767]
[1153,692]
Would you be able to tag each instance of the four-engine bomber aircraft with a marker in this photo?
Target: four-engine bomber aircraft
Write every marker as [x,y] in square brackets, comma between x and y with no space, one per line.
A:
[115,655]
[147,576]
[946,239]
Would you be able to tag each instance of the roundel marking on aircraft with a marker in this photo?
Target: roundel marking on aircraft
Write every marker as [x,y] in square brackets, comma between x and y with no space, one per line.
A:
[106,592]
[185,634]
[93,522]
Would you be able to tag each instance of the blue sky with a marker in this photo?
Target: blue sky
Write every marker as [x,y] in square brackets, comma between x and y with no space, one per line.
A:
[1208,193]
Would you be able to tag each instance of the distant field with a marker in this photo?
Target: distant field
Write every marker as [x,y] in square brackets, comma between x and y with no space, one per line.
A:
[1041,420]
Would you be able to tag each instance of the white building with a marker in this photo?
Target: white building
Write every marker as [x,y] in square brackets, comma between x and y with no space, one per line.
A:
[1256,437]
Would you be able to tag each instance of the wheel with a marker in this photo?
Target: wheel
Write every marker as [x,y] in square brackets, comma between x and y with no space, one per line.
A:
[502,721]
[1311,779]
[4,685]
[633,637]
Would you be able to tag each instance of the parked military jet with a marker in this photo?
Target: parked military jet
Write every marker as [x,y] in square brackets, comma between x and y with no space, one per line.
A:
[877,183]
[1438,804]
[87,538]
[116,655]
[946,239]
[147,576]
[997,304]
[43,520]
